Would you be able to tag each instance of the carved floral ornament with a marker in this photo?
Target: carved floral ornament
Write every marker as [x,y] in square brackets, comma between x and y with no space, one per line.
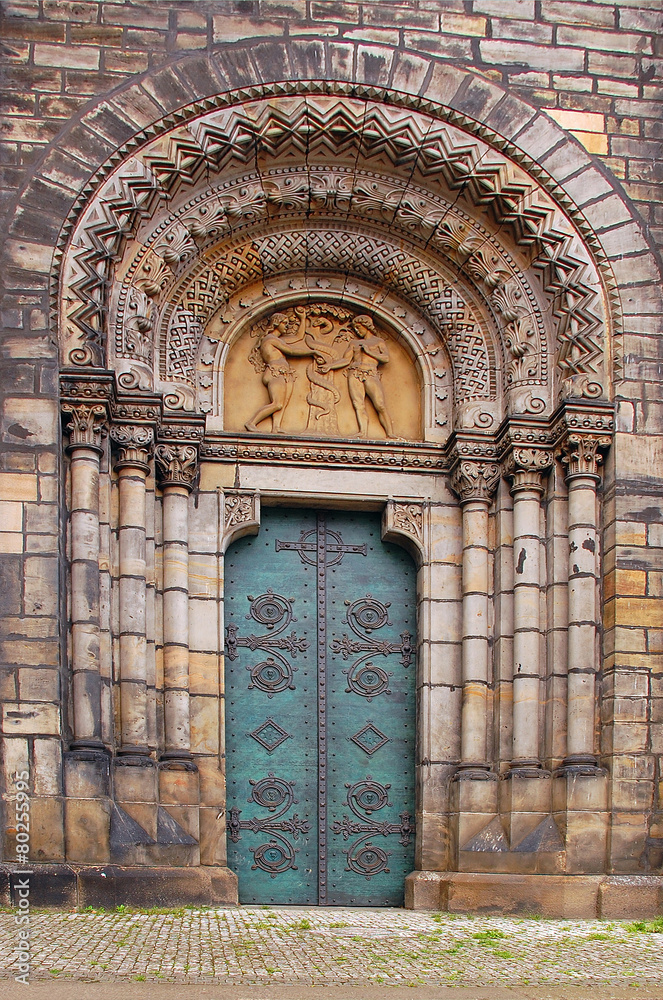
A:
[185,267]
[177,464]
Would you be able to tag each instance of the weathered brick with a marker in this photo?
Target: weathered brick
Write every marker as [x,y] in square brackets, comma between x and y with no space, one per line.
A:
[536,56]
[618,88]
[462,24]
[374,64]
[191,18]
[283,8]
[96,34]
[334,10]
[20,77]
[445,46]
[380,14]
[65,10]
[117,61]
[145,38]
[187,40]
[568,12]
[67,56]
[136,16]
[610,64]
[385,36]
[497,8]
[32,30]
[233,29]
[60,107]
[167,89]
[640,19]
[526,31]
[610,41]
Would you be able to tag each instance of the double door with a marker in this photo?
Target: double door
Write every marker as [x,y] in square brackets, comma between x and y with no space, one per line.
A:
[320,704]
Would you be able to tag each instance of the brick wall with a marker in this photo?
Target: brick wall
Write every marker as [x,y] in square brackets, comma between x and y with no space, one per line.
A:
[596,67]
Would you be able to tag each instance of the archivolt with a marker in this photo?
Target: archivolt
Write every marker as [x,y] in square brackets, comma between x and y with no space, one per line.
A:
[358,165]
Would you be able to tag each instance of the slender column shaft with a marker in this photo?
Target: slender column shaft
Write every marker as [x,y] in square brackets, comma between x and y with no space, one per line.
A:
[85,592]
[133,641]
[526,633]
[583,547]
[475,650]
[176,619]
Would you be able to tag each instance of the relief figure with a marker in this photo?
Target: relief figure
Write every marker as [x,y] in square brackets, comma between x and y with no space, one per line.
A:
[323,396]
[361,360]
[270,356]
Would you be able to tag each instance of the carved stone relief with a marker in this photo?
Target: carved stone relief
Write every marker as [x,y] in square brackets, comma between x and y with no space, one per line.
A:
[321,369]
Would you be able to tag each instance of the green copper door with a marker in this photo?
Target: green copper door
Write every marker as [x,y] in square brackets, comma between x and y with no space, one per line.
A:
[320,729]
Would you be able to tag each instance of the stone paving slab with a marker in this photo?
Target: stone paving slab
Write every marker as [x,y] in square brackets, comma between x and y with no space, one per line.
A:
[262,949]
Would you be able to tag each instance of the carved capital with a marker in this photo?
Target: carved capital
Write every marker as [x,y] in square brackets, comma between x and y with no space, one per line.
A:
[475,480]
[403,522]
[177,464]
[241,515]
[525,468]
[86,424]
[581,454]
[134,444]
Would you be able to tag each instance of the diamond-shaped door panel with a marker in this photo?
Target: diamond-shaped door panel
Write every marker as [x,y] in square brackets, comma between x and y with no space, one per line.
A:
[370,738]
[270,735]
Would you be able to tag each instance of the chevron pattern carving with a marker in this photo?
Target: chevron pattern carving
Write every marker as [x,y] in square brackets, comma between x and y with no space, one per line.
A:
[429,164]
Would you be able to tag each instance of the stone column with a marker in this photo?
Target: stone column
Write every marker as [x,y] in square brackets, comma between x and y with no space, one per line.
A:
[86,424]
[177,465]
[475,482]
[525,469]
[581,455]
[134,442]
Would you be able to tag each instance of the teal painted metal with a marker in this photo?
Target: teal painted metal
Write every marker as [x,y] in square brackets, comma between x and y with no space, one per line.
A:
[320,719]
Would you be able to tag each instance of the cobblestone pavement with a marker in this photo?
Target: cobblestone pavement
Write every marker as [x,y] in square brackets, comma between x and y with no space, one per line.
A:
[261,946]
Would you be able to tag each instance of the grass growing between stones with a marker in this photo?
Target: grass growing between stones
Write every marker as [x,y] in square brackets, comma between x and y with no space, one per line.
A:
[253,945]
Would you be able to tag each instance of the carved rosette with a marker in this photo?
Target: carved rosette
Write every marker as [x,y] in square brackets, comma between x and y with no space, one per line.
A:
[581,454]
[134,444]
[177,464]
[525,468]
[86,424]
[472,480]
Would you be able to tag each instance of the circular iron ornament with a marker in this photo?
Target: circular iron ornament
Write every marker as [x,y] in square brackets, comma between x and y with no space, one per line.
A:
[270,609]
[271,676]
[368,614]
[274,857]
[368,860]
[368,681]
[368,795]
[272,793]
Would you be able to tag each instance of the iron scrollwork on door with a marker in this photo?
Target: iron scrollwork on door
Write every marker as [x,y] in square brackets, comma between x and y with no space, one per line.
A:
[276,795]
[364,677]
[364,798]
[275,673]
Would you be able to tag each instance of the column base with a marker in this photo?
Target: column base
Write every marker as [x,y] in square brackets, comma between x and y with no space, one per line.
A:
[177,760]
[136,756]
[88,750]
[474,771]
[557,896]
[527,768]
[580,763]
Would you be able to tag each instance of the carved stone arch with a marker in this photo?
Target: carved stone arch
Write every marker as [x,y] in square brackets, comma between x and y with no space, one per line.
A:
[486,178]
